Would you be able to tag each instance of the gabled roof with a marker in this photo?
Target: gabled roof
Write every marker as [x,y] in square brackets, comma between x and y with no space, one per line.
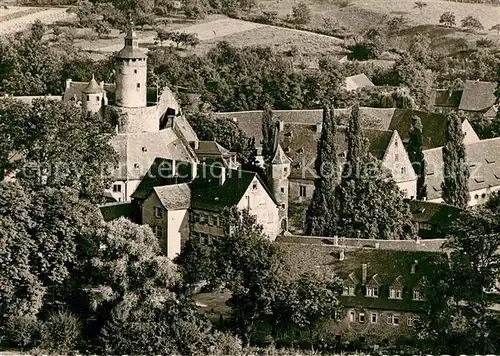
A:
[175,196]
[478,96]
[398,282]
[484,163]
[137,151]
[440,215]
[358,81]
[373,281]
[160,174]
[447,99]
[300,141]
[117,210]
[75,90]
[209,194]
[212,148]
[351,279]
[131,50]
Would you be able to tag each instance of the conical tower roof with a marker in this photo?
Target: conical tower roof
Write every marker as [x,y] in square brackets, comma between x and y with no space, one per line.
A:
[131,48]
[93,87]
[280,157]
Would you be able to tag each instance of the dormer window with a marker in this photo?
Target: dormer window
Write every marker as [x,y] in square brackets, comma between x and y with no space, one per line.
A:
[417,295]
[395,293]
[372,292]
[348,290]
[414,265]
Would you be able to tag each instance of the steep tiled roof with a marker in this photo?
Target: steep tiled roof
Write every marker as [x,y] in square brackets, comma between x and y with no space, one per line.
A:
[300,143]
[445,98]
[117,210]
[484,162]
[75,89]
[280,157]
[212,148]
[433,126]
[160,174]
[386,265]
[175,196]
[358,81]
[250,122]
[477,96]
[137,151]
[93,88]
[441,215]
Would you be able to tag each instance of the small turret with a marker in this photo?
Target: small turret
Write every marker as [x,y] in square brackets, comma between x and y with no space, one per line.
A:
[92,96]
[278,170]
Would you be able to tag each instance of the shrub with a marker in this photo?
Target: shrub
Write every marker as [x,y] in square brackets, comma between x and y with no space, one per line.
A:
[301,13]
[22,330]
[471,23]
[60,333]
[447,19]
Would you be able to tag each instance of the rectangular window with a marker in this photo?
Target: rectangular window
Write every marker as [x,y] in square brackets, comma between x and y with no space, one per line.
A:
[97,98]
[117,188]
[361,317]
[395,293]
[409,321]
[88,97]
[405,192]
[403,171]
[338,315]
[282,190]
[285,169]
[135,71]
[372,292]
[158,231]
[389,319]
[302,191]
[348,290]
[352,317]
[138,85]
[158,212]
[254,186]
[374,317]
[395,319]
[417,295]
[217,221]
[425,226]
[210,221]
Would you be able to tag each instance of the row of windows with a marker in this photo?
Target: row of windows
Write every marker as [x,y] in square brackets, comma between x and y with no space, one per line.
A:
[207,219]
[373,292]
[392,319]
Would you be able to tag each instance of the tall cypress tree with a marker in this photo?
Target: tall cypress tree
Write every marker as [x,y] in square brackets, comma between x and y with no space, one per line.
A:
[321,211]
[416,155]
[456,171]
[369,203]
[268,128]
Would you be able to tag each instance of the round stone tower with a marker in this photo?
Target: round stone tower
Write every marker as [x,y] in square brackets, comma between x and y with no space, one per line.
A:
[131,73]
[92,97]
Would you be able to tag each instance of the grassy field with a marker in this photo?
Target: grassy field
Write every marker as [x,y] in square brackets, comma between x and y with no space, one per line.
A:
[280,39]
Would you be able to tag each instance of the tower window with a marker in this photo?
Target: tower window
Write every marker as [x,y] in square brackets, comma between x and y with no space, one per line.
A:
[282,190]
[88,97]
[302,191]
[97,99]
[135,71]
[138,85]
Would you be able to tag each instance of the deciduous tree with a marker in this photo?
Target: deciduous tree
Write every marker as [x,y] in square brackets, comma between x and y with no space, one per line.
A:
[471,23]
[447,19]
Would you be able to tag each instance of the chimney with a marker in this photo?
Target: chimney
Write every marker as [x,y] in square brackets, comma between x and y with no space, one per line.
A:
[342,255]
[319,126]
[101,84]
[68,83]
[414,267]
[364,271]
[222,176]
[377,244]
[174,168]
[417,240]
[281,125]
[335,240]
[235,120]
